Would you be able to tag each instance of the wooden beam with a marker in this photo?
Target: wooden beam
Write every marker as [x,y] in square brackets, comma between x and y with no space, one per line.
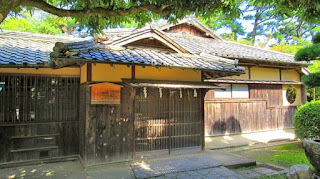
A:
[170,84]
[89,72]
[133,72]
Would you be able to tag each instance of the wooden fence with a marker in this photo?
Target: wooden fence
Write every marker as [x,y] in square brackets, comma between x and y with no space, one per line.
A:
[242,116]
[38,117]
[32,141]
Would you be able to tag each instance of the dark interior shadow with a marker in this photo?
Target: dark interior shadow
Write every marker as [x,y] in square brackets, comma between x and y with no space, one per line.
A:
[230,126]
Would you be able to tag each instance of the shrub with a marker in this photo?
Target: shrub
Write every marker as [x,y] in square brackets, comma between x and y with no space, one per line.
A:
[309,53]
[316,38]
[312,80]
[307,121]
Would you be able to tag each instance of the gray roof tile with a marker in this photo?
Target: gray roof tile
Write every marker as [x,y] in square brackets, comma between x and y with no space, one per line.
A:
[22,48]
[155,58]
[197,45]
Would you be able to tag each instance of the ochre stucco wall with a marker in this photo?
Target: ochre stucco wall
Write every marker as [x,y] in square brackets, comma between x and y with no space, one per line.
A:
[106,72]
[258,73]
[173,74]
[43,71]
[290,75]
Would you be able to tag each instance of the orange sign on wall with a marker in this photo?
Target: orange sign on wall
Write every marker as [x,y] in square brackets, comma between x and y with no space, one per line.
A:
[105,93]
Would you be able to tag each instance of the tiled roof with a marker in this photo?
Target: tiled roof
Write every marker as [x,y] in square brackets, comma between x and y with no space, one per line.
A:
[114,33]
[213,46]
[152,57]
[22,48]
[228,49]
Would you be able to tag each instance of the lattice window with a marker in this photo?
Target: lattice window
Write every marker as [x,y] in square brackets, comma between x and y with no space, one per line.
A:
[38,99]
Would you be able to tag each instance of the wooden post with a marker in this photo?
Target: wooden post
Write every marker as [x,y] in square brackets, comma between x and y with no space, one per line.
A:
[169,122]
[133,95]
[133,72]
[280,75]
[202,95]
[89,72]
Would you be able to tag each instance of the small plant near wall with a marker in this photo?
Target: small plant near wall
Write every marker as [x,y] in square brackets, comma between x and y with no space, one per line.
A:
[291,94]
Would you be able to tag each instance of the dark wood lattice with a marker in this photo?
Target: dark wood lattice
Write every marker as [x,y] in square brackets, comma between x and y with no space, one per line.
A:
[167,122]
[38,99]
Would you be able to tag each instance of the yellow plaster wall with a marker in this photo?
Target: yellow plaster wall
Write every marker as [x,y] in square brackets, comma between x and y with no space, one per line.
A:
[290,75]
[83,76]
[174,74]
[106,72]
[258,73]
[298,100]
[43,71]
[240,77]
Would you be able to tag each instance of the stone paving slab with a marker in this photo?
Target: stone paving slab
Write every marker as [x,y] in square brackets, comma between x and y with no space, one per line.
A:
[248,140]
[249,173]
[59,170]
[230,160]
[158,168]
[216,173]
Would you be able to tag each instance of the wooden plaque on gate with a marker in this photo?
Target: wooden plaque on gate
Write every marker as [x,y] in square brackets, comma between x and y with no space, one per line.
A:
[105,93]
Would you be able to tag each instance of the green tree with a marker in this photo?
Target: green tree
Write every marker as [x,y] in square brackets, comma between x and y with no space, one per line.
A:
[311,53]
[306,10]
[294,31]
[263,20]
[230,23]
[99,14]
[45,24]
[286,48]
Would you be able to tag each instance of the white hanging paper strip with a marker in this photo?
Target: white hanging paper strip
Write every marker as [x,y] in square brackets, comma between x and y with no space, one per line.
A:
[180,93]
[195,93]
[145,92]
[160,92]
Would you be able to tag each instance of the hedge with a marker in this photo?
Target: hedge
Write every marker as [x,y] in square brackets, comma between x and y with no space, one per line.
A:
[307,121]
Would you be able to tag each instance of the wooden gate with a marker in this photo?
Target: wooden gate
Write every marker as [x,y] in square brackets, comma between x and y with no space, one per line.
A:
[167,119]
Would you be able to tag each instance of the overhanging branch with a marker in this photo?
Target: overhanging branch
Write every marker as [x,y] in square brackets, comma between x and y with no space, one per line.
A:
[101,11]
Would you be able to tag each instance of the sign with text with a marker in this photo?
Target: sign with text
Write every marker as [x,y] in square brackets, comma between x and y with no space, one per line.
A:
[105,93]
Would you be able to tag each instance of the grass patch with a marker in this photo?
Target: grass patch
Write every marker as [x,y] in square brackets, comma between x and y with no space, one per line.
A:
[280,176]
[285,155]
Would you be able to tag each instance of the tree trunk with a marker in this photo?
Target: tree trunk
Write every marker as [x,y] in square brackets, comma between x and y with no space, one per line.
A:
[299,29]
[255,26]
[234,34]
[6,7]
[233,30]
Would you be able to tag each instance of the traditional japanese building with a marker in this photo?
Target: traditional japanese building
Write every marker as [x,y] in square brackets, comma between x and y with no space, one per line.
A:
[136,92]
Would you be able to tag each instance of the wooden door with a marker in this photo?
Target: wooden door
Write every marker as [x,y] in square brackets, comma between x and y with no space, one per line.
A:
[167,119]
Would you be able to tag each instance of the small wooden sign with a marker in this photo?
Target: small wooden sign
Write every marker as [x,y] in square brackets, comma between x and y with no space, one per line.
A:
[105,93]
